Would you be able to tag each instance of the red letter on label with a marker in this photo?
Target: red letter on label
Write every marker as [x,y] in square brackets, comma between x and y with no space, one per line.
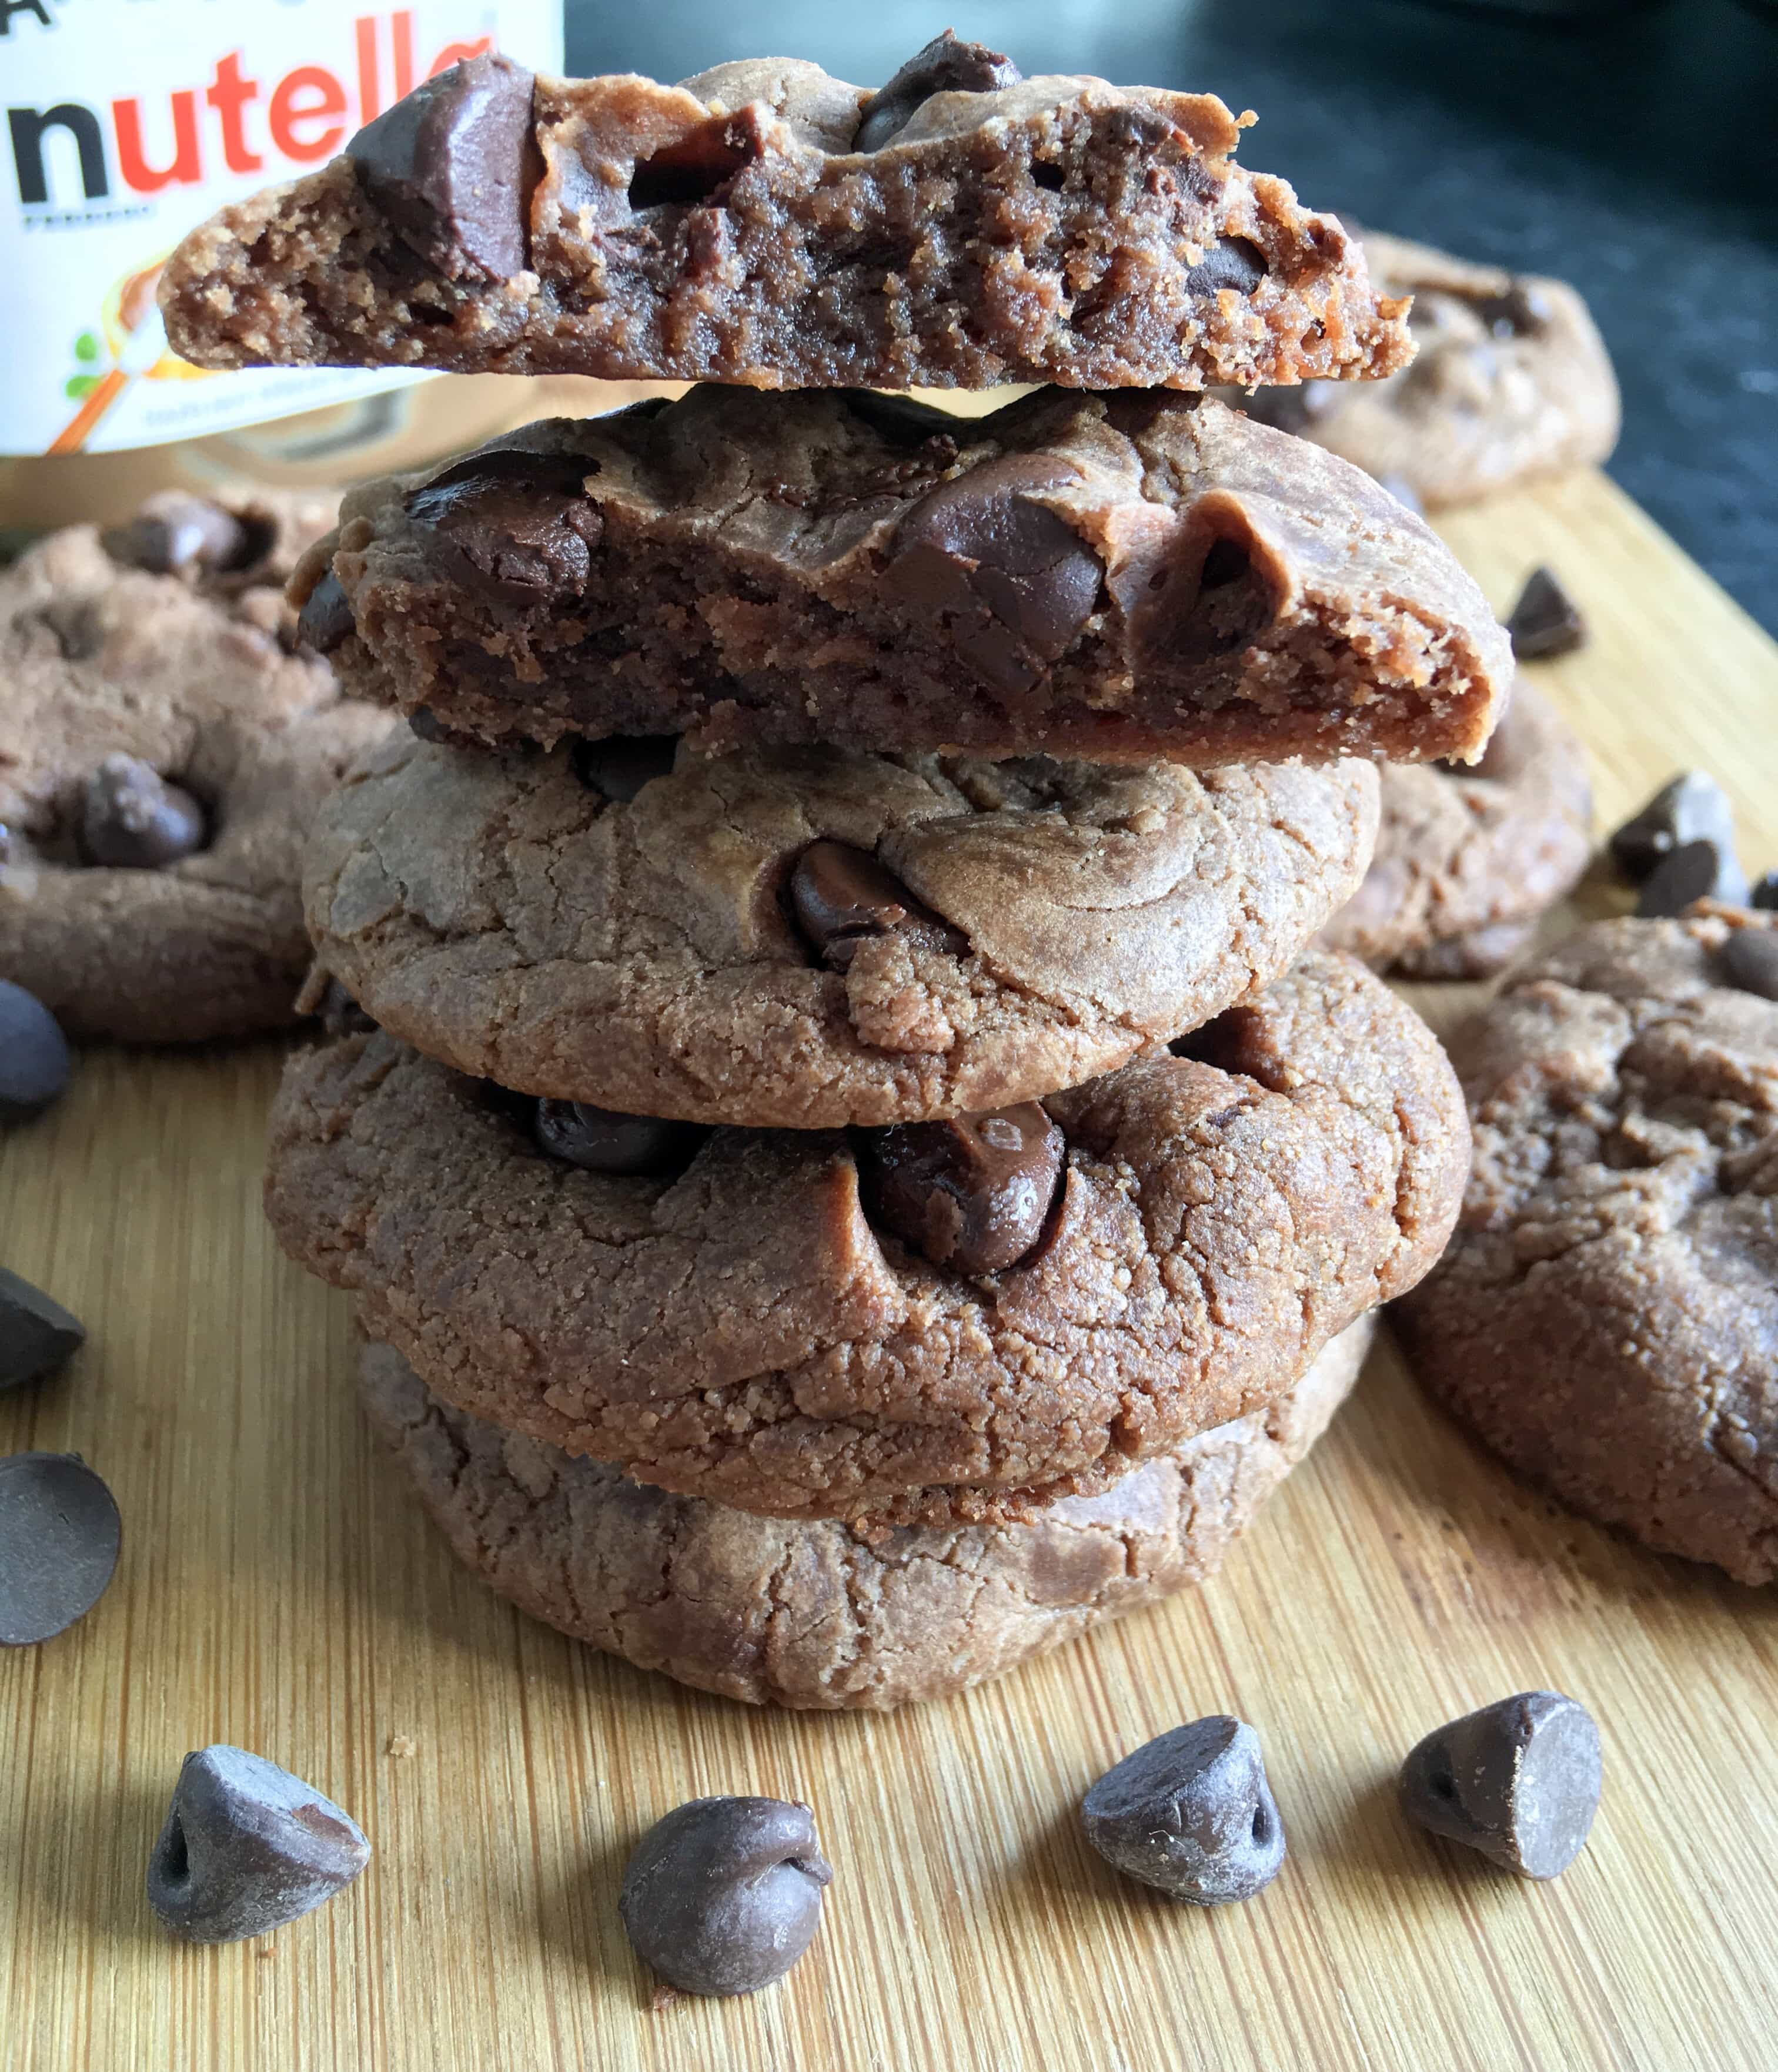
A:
[133,161]
[370,92]
[228,94]
[309,95]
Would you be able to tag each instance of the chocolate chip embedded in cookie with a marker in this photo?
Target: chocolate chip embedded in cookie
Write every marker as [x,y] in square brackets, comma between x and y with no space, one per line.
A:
[751,1328]
[809,1614]
[810,938]
[1605,1316]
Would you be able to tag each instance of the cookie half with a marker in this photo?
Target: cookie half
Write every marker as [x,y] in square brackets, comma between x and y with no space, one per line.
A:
[814,1614]
[812,939]
[1606,1317]
[745,1323]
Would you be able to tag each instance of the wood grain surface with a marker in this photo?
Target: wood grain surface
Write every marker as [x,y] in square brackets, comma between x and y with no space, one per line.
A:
[279,1588]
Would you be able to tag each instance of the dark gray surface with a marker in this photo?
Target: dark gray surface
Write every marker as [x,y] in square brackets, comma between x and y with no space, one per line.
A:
[1632,155]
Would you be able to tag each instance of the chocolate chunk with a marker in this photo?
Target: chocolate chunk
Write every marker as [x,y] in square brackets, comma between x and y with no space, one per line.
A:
[599,1140]
[1191,1813]
[1695,870]
[841,896]
[1545,621]
[1009,579]
[132,819]
[972,1193]
[1237,263]
[944,66]
[37,1336]
[513,519]
[621,764]
[1519,1780]
[724,1895]
[1521,312]
[906,420]
[1764,895]
[58,1539]
[1689,807]
[246,1847]
[326,617]
[34,1056]
[447,167]
[1749,960]
[174,533]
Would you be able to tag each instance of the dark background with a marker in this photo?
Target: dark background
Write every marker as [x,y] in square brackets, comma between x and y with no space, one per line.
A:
[1632,152]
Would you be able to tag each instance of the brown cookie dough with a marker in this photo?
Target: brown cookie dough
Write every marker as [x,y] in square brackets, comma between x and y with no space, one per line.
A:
[1127,578]
[1511,380]
[740,1330]
[1606,1316]
[813,1614]
[151,697]
[1466,859]
[1042,922]
[764,223]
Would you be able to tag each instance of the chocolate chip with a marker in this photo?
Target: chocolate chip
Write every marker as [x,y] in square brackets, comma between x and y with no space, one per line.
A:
[514,519]
[1749,959]
[1689,807]
[340,1015]
[599,1140]
[447,167]
[132,819]
[1237,263]
[34,1056]
[37,1336]
[1519,1781]
[1695,870]
[58,1539]
[1011,581]
[944,66]
[724,1895]
[1764,895]
[1291,410]
[621,764]
[326,617]
[904,420]
[841,897]
[1545,621]
[174,533]
[1521,312]
[972,1194]
[1191,1813]
[246,1847]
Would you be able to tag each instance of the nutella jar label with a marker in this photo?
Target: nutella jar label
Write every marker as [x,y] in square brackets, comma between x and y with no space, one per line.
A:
[128,121]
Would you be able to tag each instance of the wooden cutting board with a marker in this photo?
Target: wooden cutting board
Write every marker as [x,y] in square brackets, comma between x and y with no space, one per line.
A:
[279,1588]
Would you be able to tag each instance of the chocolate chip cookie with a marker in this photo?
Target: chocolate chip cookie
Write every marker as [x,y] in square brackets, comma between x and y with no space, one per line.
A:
[1510,380]
[943,1322]
[807,939]
[764,223]
[814,1614]
[1466,859]
[163,748]
[1125,578]
[1606,1317]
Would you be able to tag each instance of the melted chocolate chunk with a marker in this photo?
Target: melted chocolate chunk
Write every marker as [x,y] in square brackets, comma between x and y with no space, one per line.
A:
[447,167]
[326,617]
[599,1140]
[175,534]
[621,764]
[1009,579]
[841,896]
[1237,263]
[972,1194]
[1545,621]
[132,819]
[944,66]
[513,520]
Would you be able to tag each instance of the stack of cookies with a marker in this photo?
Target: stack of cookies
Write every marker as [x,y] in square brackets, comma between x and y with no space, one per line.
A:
[847,1170]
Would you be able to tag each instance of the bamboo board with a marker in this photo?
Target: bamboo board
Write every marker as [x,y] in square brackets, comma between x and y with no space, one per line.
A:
[278,1589]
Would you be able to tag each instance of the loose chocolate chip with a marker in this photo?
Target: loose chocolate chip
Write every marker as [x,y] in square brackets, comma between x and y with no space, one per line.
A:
[59,1538]
[1749,961]
[1521,312]
[1764,895]
[515,518]
[37,1336]
[246,1847]
[447,167]
[1695,870]
[1545,621]
[724,1895]
[1191,1813]
[174,533]
[1237,263]
[1519,1780]
[944,66]
[1689,807]
[132,819]
[34,1056]
[1012,581]
[326,617]
[972,1194]
[841,897]
[621,764]
[599,1140]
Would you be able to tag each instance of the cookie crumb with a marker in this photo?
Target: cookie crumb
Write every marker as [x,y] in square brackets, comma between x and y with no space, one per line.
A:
[401,1745]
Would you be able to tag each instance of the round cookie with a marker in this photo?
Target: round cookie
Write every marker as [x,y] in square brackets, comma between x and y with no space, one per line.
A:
[656,945]
[151,699]
[747,1326]
[1466,859]
[1606,1316]
[814,1614]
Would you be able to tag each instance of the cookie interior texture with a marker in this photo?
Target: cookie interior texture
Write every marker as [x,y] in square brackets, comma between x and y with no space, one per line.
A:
[814,1614]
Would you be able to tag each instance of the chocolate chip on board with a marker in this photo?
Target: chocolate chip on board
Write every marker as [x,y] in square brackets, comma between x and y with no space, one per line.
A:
[1749,960]
[246,1847]
[175,533]
[1546,621]
[37,1335]
[59,1533]
[325,618]
[34,1056]
[446,166]
[723,1895]
[945,65]
[599,1140]
[841,896]
[1518,1780]
[132,819]
[620,764]
[1695,870]
[1764,895]
[1692,806]
[1191,1813]
[972,1194]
